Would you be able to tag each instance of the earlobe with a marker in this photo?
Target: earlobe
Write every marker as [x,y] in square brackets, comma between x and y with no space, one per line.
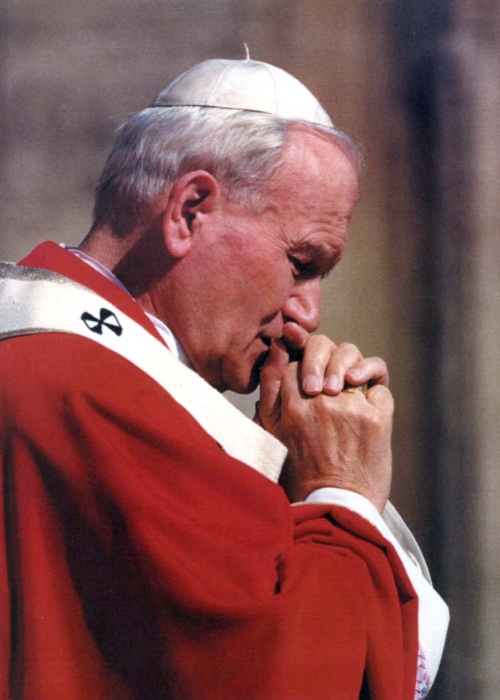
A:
[193,196]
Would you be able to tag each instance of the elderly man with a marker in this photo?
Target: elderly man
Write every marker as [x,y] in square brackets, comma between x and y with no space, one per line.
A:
[147,550]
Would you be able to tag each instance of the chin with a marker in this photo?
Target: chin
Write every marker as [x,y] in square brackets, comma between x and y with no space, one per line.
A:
[248,388]
[240,373]
[243,383]
[240,387]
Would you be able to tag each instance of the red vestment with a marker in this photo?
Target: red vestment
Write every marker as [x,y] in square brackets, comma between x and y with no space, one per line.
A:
[138,561]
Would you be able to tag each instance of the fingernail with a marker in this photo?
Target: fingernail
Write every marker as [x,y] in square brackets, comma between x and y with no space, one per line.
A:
[332,383]
[311,384]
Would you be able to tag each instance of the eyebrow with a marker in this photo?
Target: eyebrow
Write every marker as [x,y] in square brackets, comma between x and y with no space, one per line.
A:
[319,251]
[321,259]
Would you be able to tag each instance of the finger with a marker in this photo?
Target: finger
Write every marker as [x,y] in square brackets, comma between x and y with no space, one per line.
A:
[290,387]
[346,357]
[315,361]
[271,376]
[294,336]
[372,370]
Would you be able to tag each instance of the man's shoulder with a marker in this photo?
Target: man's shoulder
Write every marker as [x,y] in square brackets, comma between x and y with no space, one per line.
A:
[59,382]
[61,363]
[58,260]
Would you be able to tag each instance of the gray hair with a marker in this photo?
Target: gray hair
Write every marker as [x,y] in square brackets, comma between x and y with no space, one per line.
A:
[157,146]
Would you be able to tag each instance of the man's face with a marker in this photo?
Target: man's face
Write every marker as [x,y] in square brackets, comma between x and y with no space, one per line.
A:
[258,272]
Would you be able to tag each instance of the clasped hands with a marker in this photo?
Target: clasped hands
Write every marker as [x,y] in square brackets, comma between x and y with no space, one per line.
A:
[334,438]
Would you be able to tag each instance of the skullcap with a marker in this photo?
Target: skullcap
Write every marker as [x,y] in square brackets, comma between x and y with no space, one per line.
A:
[248,85]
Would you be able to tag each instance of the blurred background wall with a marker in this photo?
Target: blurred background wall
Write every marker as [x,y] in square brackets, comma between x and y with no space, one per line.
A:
[416,82]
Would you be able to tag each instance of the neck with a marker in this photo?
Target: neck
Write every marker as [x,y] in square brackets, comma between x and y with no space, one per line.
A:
[102,245]
[138,260]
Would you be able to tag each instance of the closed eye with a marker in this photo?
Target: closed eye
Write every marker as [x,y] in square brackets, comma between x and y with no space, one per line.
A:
[300,268]
[307,269]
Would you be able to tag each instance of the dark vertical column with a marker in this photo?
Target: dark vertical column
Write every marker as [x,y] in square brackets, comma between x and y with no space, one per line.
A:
[433,91]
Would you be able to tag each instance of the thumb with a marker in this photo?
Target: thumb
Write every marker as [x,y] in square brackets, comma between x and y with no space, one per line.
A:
[271,374]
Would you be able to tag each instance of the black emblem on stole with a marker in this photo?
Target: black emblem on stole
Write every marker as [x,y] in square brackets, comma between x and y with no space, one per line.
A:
[107,319]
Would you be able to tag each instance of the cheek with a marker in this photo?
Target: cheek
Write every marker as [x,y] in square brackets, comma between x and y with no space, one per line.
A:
[259,283]
[264,299]
[276,286]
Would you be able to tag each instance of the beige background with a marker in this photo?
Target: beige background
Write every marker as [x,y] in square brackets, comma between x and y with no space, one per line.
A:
[416,82]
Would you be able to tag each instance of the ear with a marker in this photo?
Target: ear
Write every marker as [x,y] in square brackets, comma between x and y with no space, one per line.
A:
[192,196]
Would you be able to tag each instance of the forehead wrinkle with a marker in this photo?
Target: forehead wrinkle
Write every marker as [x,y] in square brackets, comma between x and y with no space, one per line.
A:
[321,249]
[325,255]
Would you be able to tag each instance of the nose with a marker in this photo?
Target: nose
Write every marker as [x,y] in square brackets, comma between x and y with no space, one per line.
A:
[303,304]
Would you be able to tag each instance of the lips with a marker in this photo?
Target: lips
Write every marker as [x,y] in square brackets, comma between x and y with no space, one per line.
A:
[294,352]
[261,360]
[262,357]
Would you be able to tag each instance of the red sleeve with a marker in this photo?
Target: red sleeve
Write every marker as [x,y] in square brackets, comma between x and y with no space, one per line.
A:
[143,562]
[4,599]
[376,578]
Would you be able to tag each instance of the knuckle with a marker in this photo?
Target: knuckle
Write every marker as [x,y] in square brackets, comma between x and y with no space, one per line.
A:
[348,347]
[382,364]
[323,402]
[383,396]
[318,338]
[317,346]
[312,359]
